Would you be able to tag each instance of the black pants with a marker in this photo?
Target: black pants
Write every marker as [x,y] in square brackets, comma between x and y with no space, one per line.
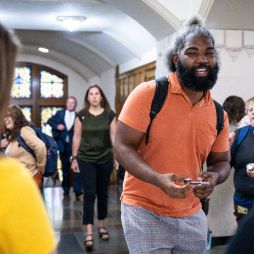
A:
[95,180]
[65,160]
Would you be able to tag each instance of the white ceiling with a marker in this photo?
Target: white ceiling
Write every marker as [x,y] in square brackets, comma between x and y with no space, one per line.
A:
[232,15]
[115,31]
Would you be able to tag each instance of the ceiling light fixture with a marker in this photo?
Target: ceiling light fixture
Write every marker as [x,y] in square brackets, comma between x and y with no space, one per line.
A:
[71,23]
[43,50]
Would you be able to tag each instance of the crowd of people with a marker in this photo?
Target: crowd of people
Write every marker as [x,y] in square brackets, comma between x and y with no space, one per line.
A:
[90,140]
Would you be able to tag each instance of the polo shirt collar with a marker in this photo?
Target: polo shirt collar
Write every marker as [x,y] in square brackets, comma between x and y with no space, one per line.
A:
[176,88]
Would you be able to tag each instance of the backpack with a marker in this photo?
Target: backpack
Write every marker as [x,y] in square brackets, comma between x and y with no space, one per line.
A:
[161,91]
[242,135]
[51,146]
[238,141]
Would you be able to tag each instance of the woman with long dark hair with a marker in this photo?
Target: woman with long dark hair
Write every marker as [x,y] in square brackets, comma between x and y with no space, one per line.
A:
[15,124]
[94,134]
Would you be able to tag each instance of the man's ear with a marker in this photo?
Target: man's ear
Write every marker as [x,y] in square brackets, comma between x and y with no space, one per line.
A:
[175,58]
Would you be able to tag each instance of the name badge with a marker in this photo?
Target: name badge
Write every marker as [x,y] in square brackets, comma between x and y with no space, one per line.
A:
[242,209]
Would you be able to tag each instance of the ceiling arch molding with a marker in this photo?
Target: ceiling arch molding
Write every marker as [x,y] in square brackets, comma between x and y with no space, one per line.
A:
[85,72]
[165,13]
[146,16]
[205,8]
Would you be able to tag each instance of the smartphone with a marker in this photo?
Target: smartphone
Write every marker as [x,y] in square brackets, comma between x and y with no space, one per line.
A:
[188,180]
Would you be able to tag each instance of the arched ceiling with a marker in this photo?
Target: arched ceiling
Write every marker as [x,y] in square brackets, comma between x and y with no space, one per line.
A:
[115,31]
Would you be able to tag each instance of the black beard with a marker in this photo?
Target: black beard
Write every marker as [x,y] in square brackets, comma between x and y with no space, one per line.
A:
[188,78]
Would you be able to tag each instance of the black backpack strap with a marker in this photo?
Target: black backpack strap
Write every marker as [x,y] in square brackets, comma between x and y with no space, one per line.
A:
[161,91]
[220,116]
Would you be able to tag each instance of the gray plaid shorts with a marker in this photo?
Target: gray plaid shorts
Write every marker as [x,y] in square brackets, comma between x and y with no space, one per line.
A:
[147,232]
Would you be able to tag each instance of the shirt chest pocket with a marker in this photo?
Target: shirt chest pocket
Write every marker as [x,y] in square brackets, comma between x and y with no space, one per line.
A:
[205,136]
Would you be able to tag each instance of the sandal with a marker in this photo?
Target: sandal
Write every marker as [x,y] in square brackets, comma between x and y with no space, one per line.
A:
[88,242]
[103,233]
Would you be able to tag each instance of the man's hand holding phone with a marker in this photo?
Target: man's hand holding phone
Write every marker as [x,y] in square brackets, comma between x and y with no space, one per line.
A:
[204,190]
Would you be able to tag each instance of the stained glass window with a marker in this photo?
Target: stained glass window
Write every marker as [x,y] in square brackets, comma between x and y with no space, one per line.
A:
[22,83]
[40,91]
[46,113]
[27,111]
[51,86]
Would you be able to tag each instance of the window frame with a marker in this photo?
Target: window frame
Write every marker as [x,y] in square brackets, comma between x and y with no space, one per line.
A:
[36,102]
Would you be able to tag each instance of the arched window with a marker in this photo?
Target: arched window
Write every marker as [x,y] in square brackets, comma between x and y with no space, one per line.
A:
[40,91]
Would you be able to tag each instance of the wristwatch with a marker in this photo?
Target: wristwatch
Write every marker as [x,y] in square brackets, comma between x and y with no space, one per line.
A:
[73,157]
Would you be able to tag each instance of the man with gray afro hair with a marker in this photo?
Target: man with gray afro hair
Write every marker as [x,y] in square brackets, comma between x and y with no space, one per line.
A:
[161,210]
[195,27]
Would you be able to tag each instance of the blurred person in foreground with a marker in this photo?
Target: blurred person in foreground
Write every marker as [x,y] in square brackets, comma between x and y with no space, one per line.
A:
[24,224]
[242,241]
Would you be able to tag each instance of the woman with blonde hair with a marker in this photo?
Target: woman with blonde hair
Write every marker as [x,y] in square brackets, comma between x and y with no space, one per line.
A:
[25,226]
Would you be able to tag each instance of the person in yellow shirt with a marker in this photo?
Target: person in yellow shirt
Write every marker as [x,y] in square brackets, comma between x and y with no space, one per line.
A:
[24,224]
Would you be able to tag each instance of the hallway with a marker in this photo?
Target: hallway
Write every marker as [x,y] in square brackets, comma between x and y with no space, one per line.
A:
[66,215]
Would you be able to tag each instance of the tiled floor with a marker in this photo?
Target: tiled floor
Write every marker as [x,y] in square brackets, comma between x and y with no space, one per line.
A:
[66,215]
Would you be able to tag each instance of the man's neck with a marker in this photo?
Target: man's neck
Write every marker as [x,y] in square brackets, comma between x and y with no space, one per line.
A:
[194,96]
[70,110]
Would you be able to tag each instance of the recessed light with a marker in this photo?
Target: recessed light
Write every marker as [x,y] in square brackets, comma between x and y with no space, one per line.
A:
[43,50]
[71,23]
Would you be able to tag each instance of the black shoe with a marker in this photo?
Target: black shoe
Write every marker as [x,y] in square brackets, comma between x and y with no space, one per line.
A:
[88,242]
[66,194]
[103,233]
[78,194]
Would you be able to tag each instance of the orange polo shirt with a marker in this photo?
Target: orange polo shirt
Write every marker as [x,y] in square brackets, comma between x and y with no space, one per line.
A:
[181,137]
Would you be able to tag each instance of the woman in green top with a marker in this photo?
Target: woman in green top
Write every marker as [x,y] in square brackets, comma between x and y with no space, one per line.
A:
[94,133]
